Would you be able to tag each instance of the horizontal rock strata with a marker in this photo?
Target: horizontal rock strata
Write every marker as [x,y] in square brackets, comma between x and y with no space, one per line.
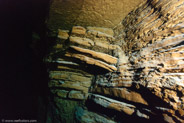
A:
[153,44]
[136,72]
[75,59]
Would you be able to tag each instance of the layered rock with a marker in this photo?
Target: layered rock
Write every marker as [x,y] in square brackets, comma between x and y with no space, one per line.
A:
[153,41]
[134,73]
[73,62]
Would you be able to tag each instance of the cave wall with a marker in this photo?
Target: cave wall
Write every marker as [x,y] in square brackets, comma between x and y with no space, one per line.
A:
[131,73]
[101,13]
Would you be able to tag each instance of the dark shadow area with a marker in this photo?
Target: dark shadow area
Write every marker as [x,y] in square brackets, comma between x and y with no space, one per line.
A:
[23,77]
[152,100]
[119,117]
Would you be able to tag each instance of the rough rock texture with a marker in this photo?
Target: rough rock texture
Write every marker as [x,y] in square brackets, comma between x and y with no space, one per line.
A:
[103,13]
[134,73]
[75,58]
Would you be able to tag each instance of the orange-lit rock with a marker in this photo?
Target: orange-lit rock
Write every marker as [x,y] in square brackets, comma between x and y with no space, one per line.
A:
[65,14]
[134,71]
[78,30]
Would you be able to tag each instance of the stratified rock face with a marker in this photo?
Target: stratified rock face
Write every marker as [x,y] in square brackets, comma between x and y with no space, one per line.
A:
[104,13]
[77,57]
[134,73]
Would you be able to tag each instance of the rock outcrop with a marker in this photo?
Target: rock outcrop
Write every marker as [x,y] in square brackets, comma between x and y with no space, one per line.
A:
[131,73]
[73,63]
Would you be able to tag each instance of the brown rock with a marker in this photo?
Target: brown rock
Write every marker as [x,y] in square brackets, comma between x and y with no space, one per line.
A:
[78,30]
[102,44]
[107,31]
[122,93]
[92,61]
[63,34]
[69,85]
[168,119]
[181,112]
[79,78]
[112,104]
[65,14]
[102,56]
[149,48]
[81,41]
[120,108]
[58,75]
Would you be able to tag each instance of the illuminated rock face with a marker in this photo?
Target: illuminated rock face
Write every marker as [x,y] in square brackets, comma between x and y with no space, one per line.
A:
[102,13]
[132,73]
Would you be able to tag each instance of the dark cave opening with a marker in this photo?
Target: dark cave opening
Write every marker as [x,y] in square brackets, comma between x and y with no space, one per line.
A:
[23,78]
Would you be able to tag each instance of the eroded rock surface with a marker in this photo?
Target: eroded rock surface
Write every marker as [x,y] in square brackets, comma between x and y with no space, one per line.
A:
[73,63]
[102,13]
[132,73]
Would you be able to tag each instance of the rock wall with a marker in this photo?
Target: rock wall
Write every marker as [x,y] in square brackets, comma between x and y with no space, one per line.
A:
[76,58]
[106,13]
[133,73]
